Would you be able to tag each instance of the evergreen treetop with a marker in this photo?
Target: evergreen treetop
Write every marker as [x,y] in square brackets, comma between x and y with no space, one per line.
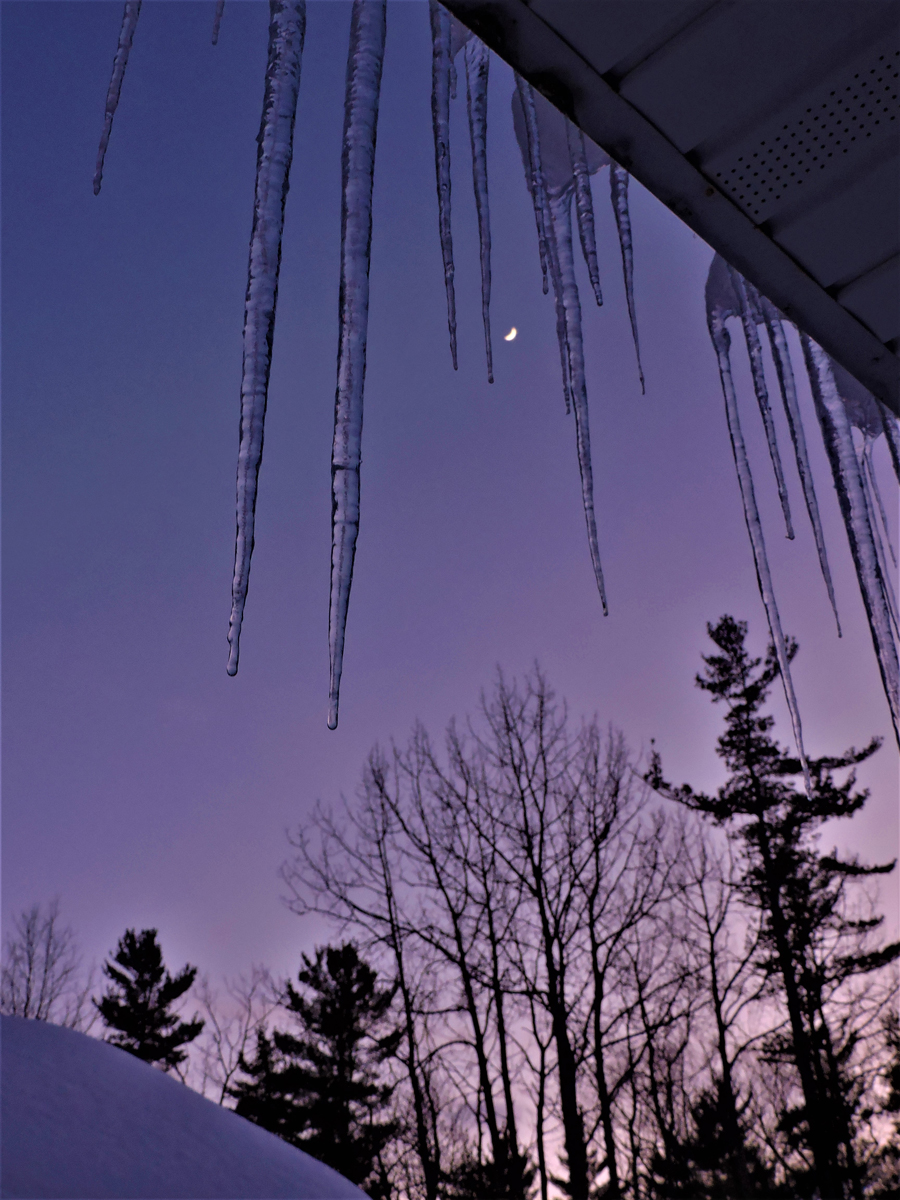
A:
[812,935]
[784,866]
[320,1088]
[138,1007]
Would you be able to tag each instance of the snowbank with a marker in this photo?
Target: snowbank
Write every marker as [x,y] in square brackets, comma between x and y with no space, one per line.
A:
[82,1120]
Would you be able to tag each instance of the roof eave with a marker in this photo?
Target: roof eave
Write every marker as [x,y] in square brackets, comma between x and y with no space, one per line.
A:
[540,55]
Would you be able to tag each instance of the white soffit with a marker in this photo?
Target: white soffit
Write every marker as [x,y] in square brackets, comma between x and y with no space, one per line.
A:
[769,126]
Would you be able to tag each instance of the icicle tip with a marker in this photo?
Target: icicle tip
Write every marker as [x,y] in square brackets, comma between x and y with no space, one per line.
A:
[232,667]
[234,644]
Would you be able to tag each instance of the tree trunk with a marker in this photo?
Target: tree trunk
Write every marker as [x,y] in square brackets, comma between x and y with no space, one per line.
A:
[820,1137]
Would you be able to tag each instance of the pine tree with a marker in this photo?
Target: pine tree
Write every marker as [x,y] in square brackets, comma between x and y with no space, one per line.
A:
[320,1089]
[885,1171]
[474,1179]
[812,944]
[700,1165]
[138,1007]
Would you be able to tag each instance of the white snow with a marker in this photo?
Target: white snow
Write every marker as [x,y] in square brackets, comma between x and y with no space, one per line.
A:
[81,1118]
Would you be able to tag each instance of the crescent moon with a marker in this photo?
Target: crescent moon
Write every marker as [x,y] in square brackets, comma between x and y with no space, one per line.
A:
[509,337]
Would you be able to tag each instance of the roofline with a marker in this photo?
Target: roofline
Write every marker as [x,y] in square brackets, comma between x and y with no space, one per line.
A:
[540,55]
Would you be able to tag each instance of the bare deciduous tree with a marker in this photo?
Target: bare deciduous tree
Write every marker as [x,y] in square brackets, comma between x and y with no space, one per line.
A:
[42,977]
[232,1021]
[582,974]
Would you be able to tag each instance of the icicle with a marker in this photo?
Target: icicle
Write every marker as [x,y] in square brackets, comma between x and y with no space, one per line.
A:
[869,466]
[441,63]
[886,574]
[720,305]
[863,410]
[120,62]
[618,184]
[584,205]
[754,352]
[867,414]
[889,594]
[366,55]
[527,126]
[562,330]
[838,438]
[561,234]
[217,21]
[459,36]
[892,434]
[785,373]
[477,63]
[287,27]
[534,173]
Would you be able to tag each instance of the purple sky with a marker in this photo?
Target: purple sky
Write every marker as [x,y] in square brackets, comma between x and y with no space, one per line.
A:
[142,784]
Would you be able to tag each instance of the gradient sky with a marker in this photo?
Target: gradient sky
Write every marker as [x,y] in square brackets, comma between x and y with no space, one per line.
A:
[142,784]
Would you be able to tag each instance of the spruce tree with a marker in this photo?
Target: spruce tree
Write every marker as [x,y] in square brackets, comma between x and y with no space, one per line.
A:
[138,1007]
[320,1089]
[812,944]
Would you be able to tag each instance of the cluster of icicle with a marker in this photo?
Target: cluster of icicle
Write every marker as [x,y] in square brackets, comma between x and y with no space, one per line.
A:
[558,164]
[842,405]
[558,168]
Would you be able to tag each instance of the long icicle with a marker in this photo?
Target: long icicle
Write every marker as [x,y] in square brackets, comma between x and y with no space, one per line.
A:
[441,63]
[364,63]
[120,62]
[562,320]
[535,174]
[539,193]
[754,352]
[757,371]
[217,21]
[721,340]
[287,27]
[785,372]
[478,59]
[838,437]
[889,595]
[876,493]
[892,434]
[561,233]
[618,187]
[584,205]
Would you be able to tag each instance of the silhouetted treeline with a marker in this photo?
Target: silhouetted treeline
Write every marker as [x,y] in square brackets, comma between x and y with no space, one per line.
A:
[555,973]
[609,986]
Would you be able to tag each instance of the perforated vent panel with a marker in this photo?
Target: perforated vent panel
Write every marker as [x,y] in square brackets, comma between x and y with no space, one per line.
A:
[794,153]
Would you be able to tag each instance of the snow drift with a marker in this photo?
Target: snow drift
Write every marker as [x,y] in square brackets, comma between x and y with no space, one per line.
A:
[82,1119]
